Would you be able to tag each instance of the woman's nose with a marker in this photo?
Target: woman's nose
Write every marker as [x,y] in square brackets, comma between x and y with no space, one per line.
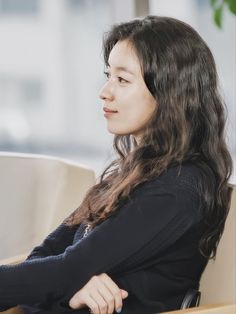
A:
[106,92]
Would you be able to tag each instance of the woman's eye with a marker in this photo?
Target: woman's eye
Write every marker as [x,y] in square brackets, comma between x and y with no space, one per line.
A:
[121,80]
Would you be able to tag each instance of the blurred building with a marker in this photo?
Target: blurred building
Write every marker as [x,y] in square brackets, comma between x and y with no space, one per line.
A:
[50,76]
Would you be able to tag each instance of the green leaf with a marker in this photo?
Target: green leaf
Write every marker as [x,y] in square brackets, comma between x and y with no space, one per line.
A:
[218,16]
[232,6]
[213,3]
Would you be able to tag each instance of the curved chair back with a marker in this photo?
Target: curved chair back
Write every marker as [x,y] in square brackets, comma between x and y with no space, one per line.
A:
[218,283]
[37,192]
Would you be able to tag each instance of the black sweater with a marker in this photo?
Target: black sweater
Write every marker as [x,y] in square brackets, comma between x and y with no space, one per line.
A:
[149,247]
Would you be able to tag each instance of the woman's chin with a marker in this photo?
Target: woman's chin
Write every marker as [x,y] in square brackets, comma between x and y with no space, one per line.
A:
[117,132]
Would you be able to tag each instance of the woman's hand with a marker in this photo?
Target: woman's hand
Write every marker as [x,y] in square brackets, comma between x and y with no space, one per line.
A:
[100,294]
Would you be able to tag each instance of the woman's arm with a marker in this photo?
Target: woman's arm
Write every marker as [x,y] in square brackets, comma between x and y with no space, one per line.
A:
[154,219]
[55,243]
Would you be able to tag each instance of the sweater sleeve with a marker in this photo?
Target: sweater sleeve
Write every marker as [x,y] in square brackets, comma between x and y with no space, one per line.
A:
[55,243]
[156,215]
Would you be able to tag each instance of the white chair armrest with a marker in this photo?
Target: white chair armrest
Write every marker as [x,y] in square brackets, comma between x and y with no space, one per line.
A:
[208,309]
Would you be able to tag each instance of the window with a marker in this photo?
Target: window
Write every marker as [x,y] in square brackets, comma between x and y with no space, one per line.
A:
[20,92]
[19,6]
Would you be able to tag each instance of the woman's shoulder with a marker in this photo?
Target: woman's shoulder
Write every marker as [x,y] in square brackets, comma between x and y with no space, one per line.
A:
[178,186]
[185,174]
[188,173]
[186,177]
[184,183]
[181,170]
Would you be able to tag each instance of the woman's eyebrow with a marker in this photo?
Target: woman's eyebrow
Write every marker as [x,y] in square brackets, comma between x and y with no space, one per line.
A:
[121,68]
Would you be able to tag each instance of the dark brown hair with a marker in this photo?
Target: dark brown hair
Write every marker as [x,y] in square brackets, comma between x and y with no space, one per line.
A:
[188,124]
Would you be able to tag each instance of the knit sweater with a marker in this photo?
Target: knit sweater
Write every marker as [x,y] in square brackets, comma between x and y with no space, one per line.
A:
[149,247]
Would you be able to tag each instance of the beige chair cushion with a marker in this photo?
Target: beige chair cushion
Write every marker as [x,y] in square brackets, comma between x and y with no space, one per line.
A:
[37,193]
[218,283]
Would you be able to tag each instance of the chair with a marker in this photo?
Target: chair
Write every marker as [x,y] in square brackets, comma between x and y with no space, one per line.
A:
[14,310]
[37,192]
[218,283]
[207,309]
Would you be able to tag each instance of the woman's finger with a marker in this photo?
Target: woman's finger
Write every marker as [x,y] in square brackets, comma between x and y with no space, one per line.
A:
[100,301]
[82,298]
[115,291]
[107,294]
[93,306]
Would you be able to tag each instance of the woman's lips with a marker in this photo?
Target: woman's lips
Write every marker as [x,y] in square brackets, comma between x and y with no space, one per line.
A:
[108,112]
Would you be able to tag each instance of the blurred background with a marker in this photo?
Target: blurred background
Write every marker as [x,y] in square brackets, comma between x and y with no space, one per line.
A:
[51,71]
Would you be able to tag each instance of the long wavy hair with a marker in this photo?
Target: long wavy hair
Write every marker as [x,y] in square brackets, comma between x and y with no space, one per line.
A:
[188,125]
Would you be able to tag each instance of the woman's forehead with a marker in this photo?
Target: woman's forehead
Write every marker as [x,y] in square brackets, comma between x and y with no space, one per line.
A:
[123,57]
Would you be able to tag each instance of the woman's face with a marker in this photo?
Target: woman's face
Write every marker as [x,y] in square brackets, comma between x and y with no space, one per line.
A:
[125,93]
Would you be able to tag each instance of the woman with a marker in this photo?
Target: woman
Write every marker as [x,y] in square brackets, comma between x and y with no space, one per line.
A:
[156,216]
